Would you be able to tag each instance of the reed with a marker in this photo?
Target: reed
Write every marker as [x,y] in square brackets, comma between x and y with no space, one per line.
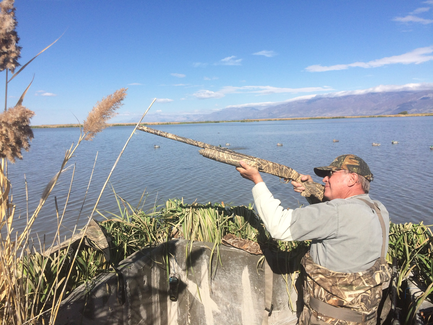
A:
[29,281]
[33,283]
[411,248]
[132,229]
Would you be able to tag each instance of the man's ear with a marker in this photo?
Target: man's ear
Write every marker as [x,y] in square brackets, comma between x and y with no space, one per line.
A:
[353,179]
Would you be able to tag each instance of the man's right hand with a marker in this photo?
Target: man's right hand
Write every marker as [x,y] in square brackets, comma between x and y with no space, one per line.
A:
[249,172]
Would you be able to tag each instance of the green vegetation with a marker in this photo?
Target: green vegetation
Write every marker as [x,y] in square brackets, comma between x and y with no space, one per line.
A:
[131,230]
[34,280]
[411,249]
[42,277]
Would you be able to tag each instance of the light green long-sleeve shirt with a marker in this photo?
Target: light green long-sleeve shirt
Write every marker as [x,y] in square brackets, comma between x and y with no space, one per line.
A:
[346,233]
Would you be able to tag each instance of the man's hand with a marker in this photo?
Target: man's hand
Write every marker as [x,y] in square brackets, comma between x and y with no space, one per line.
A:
[298,187]
[249,172]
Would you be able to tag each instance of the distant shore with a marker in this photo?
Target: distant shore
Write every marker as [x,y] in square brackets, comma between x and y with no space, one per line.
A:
[44,126]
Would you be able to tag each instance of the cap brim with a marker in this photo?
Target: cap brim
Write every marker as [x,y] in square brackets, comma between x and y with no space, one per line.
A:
[324,171]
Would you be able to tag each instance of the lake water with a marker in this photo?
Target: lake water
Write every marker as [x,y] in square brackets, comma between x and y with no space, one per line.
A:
[403,172]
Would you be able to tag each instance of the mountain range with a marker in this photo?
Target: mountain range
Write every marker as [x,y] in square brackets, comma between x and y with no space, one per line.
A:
[330,105]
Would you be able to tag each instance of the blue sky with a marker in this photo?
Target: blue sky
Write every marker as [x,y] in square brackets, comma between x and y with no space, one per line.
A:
[202,56]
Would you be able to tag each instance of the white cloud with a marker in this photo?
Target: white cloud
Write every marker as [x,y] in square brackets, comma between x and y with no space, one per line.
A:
[417,56]
[206,94]
[199,65]
[267,90]
[413,19]
[44,93]
[420,10]
[267,104]
[383,88]
[164,100]
[268,54]
[135,84]
[377,89]
[259,90]
[208,78]
[178,75]
[230,60]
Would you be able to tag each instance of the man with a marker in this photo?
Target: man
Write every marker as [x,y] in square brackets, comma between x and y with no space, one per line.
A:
[345,267]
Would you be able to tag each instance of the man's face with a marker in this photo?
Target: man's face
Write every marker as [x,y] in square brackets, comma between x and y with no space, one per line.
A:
[336,185]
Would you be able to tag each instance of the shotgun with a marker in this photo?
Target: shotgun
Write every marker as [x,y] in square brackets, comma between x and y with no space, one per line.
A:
[313,191]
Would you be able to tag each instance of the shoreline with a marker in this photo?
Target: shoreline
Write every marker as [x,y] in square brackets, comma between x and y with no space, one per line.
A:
[47,126]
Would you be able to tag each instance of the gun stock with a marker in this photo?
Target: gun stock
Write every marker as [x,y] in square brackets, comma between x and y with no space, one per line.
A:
[313,191]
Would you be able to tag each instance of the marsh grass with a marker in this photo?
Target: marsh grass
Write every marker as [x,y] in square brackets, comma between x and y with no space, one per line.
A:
[131,229]
[411,247]
[31,283]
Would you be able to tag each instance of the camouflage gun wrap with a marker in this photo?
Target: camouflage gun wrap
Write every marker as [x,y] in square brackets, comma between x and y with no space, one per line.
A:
[313,191]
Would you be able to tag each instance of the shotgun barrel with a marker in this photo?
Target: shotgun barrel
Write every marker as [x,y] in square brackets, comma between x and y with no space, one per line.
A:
[313,191]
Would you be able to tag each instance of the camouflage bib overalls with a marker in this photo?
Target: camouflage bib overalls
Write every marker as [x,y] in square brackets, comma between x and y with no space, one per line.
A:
[344,298]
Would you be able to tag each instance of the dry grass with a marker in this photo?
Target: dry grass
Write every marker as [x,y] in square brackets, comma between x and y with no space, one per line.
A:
[21,299]
[9,49]
[15,132]
[103,111]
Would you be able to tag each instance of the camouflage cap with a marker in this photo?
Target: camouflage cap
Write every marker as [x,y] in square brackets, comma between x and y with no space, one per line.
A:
[352,163]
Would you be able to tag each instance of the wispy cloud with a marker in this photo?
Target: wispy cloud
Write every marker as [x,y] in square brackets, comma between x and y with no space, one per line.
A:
[210,78]
[259,90]
[267,104]
[413,17]
[135,84]
[207,94]
[230,60]
[378,89]
[178,75]
[44,93]
[417,56]
[383,88]
[164,100]
[268,54]
[420,10]
[199,65]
